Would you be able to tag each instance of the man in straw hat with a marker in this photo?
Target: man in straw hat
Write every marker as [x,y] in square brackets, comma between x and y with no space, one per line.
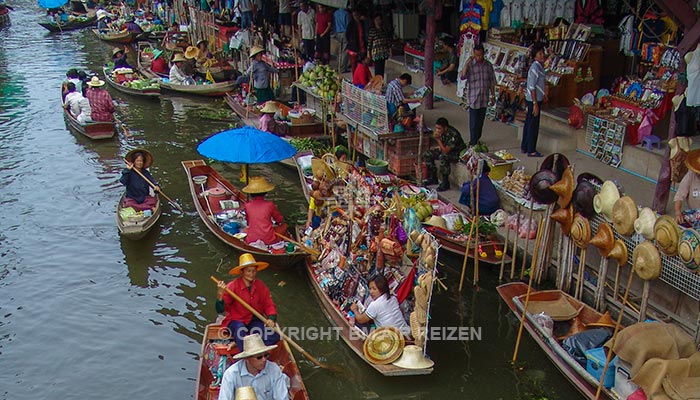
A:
[689,192]
[260,71]
[266,378]
[177,76]
[261,213]
[101,102]
[238,319]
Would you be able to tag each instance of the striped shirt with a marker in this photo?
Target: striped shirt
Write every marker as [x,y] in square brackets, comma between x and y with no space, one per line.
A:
[535,80]
[101,104]
[394,92]
[480,80]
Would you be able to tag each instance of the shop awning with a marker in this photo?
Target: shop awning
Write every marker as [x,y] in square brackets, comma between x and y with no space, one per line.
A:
[333,3]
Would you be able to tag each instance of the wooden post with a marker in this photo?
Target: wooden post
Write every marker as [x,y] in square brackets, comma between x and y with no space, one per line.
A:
[527,241]
[515,244]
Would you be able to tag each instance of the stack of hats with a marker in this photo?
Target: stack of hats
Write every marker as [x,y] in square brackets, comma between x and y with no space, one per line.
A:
[419,316]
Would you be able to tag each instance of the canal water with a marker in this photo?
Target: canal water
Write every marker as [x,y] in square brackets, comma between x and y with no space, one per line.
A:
[86,314]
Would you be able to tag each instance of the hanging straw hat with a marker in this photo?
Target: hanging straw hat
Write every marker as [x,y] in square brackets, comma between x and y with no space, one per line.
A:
[646,261]
[417,329]
[270,107]
[384,345]
[321,170]
[564,188]
[117,50]
[565,217]
[540,186]
[667,234]
[96,82]
[623,215]
[604,240]
[252,346]
[179,57]
[257,185]
[576,327]
[413,358]
[246,260]
[580,231]
[604,201]
[147,157]
[436,220]
[191,52]
[421,298]
[555,162]
[245,393]
[619,252]
[692,160]
[584,193]
[689,248]
[255,50]
[644,224]
[605,321]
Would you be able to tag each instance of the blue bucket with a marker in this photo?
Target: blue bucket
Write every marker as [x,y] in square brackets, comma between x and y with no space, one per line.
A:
[232,228]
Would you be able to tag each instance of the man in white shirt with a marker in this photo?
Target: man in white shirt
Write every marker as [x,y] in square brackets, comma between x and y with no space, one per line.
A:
[176,76]
[306,20]
[77,105]
[246,7]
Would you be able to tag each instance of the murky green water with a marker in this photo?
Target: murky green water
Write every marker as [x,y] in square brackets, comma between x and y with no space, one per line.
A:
[85,314]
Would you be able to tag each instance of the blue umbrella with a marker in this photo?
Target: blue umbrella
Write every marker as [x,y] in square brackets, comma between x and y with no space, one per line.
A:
[246,145]
[52,3]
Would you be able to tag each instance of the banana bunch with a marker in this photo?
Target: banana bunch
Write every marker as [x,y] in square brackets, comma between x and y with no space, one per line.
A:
[459,224]
[208,63]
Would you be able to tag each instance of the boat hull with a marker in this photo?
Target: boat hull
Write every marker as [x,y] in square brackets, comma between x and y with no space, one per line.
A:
[125,37]
[145,93]
[135,230]
[55,28]
[93,130]
[210,90]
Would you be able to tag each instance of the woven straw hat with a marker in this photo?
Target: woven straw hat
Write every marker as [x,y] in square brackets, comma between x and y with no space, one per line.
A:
[417,330]
[623,215]
[96,82]
[667,234]
[245,393]
[646,261]
[321,170]
[604,201]
[619,252]
[252,346]
[246,260]
[270,107]
[257,185]
[604,240]
[413,358]
[644,224]
[564,188]
[605,321]
[584,193]
[436,220]
[191,52]
[421,298]
[692,160]
[565,217]
[689,248]
[117,50]
[384,345]
[147,157]
[580,231]
[255,50]
[179,57]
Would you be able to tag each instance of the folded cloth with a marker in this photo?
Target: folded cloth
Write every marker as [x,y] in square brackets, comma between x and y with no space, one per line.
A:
[678,388]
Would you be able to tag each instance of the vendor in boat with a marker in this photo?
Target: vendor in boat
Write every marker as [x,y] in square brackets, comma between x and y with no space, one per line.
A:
[238,319]
[159,65]
[140,195]
[260,71]
[119,58]
[103,22]
[267,122]
[203,53]
[72,76]
[101,102]
[260,213]
[488,196]
[341,152]
[253,372]
[132,26]
[384,309]
[77,105]
[177,77]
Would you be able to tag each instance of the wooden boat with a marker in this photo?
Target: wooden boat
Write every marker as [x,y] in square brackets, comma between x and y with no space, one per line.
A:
[218,89]
[76,23]
[514,296]
[93,130]
[143,62]
[219,73]
[135,229]
[152,93]
[209,208]
[123,37]
[251,117]
[214,345]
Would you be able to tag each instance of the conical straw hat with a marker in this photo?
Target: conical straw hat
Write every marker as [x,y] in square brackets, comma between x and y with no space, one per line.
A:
[413,358]
[619,252]
[646,261]
[565,217]
[584,193]
[576,327]
[245,393]
[623,215]
[564,188]
[580,231]
[604,240]
[605,321]
[644,224]
[604,201]
[689,248]
[667,234]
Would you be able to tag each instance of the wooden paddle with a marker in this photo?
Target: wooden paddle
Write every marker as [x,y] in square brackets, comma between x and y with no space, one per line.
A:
[278,330]
[309,250]
[172,202]
[505,251]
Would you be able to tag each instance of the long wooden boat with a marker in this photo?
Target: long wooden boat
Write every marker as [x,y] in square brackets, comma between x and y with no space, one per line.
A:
[514,296]
[251,118]
[135,229]
[210,211]
[93,130]
[218,89]
[214,346]
[143,62]
[123,37]
[77,23]
[151,93]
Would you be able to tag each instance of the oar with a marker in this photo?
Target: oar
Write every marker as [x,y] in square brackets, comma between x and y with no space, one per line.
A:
[309,250]
[172,202]
[277,329]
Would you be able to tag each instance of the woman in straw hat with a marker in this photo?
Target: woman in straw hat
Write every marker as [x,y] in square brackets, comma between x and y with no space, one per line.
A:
[139,193]
[260,71]
[119,58]
[261,213]
[177,75]
[384,308]
[254,377]
[101,102]
[267,121]
[238,319]
[689,192]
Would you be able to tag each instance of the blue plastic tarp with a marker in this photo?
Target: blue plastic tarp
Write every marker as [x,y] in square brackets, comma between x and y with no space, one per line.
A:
[52,3]
[246,145]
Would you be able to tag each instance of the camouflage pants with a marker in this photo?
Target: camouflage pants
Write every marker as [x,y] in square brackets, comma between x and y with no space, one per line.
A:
[441,168]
